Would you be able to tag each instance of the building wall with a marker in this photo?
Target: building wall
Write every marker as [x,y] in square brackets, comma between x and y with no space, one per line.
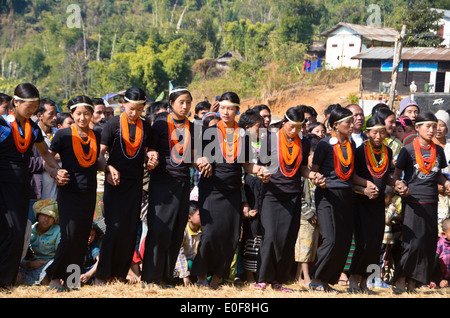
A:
[342,45]
[372,76]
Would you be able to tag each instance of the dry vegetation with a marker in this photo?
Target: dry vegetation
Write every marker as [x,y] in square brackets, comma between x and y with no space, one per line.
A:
[246,291]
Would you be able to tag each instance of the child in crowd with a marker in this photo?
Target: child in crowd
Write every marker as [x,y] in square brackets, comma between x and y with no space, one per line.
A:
[189,245]
[92,253]
[45,237]
[443,256]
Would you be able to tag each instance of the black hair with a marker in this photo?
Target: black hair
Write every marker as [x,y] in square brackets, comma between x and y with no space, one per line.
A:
[379,106]
[154,108]
[312,111]
[330,108]
[25,90]
[259,108]
[80,99]
[173,96]
[250,118]
[135,93]
[5,98]
[425,116]
[389,191]
[374,121]
[193,207]
[384,113]
[337,114]
[202,106]
[61,118]
[208,119]
[161,116]
[42,103]
[399,124]
[230,96]
[315,124]
[98,101]
[295,114]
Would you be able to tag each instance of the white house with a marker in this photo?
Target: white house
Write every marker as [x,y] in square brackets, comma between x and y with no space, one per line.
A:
[445,30]
[345,40]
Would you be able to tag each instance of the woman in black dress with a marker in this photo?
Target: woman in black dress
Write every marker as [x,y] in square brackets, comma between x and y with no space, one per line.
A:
[18,134]
[421,162]
[172,144]
[372,162]
[79,149]
[334,158]
[126,139]
[220,196]
[280,217]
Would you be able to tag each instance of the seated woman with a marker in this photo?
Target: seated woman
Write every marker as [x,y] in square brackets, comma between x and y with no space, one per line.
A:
[45,237]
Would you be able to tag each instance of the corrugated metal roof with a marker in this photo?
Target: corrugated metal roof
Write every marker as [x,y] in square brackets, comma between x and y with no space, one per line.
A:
[368,32]
[408,53]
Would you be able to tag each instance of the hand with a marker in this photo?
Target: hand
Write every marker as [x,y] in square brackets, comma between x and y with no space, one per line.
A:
[84,278]
[153,159]
[214,107]
[319,180]
[371,190]
[245,210]
[401,188]
[62,177]
[204,167]
[263,174]
[112,176]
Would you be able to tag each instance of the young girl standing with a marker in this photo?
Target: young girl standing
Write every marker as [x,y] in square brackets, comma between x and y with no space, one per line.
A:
[372,162]
[78,147]
[280,219]
[334,158]
[126,139]
[421,162]
[18,134]
[220,196]
[172,141]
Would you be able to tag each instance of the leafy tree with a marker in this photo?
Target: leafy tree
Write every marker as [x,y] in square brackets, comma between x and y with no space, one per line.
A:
[422,26]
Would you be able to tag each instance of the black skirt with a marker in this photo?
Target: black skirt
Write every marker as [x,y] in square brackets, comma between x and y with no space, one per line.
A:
[76,214]
[335,217]
[369,226]
[221,215]
[419,241]
[14,206]
[167,216]
[122,215]
[280,223]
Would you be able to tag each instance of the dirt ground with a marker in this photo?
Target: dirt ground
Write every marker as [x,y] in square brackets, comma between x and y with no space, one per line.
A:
[318,97]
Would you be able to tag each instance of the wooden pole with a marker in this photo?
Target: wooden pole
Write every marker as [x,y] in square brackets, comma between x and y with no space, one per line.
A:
[395,67]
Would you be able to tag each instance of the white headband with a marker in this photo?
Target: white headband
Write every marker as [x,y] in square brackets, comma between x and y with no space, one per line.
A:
[26,99]
[426,122]
[81,104]
[228,103]
[345,118]
[134,101]
[294,122]
[179,90]
[376,127]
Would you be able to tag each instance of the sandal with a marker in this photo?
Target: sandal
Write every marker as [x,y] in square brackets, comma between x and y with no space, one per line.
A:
[279,287]
[316,287]
[260,286]
[202,284]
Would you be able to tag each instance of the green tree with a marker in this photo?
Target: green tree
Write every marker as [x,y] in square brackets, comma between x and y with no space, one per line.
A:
[422,26]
